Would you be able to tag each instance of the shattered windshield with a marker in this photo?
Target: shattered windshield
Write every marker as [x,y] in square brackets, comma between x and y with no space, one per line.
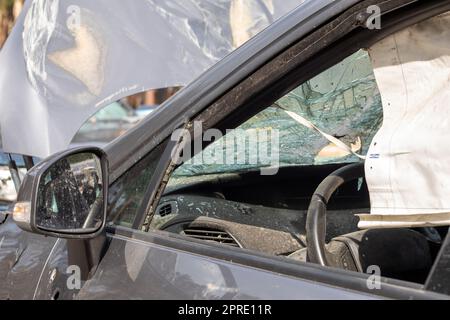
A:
[331,118]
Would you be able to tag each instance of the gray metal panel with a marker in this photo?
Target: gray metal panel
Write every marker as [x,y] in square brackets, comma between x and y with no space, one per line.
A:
[32,266]
[23,256]
[135,269]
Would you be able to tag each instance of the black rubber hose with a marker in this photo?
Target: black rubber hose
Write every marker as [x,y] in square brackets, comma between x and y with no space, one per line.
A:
[316,226]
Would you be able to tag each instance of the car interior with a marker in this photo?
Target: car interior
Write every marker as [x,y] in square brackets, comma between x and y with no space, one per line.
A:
[228,211]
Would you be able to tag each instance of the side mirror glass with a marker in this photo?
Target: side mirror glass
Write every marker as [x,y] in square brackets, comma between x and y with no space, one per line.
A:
[68,195]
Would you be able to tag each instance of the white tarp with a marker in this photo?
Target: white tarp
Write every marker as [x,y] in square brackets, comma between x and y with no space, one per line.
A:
[408,165]
[67,59]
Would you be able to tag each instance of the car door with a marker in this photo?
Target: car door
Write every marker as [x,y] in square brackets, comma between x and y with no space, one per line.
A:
[160,265]
[151,266]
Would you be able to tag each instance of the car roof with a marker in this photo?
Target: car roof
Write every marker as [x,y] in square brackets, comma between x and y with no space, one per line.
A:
[139,140]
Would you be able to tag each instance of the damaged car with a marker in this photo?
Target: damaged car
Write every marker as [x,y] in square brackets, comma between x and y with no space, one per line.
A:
[298,167]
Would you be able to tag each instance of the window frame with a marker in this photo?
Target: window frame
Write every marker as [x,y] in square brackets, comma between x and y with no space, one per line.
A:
[276,78]
[280,75]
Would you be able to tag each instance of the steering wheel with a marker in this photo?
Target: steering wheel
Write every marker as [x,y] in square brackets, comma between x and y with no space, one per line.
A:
[317,211]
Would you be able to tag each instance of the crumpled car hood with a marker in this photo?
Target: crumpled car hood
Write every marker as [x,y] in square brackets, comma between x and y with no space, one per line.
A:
[65,60]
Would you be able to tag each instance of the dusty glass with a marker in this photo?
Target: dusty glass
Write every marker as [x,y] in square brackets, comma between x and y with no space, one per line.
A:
[70,197]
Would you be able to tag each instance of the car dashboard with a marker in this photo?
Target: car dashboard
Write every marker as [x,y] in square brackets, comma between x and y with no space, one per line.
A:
[260,228]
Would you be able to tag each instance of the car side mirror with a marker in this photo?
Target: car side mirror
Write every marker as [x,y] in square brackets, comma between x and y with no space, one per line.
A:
[65,195]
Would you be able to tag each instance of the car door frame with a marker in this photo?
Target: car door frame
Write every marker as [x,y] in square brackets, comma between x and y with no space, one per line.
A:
[321,58]
[361,285]
[289,64]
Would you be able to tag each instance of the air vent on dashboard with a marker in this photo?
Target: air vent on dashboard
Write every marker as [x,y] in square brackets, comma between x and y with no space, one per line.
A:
[209,234]
[167,208]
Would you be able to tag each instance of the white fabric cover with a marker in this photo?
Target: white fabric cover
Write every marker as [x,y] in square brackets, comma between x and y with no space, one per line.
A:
[408,165]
